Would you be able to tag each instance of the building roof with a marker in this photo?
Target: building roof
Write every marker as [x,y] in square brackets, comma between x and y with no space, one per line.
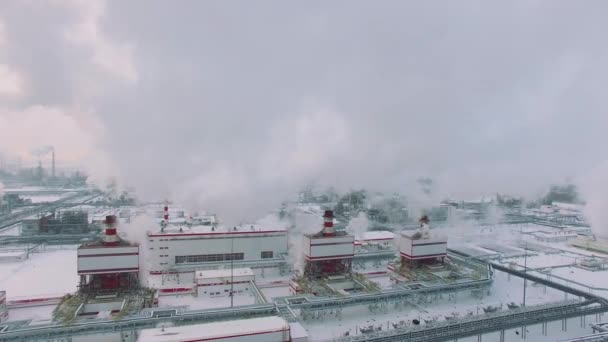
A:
[377,235]
[223,273]
[296,330]
[214,230]
[216,330]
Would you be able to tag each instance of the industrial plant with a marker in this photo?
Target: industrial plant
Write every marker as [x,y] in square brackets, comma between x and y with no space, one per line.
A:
[85,269]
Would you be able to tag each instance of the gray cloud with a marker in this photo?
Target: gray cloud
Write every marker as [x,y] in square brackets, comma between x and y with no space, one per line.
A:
[230,105]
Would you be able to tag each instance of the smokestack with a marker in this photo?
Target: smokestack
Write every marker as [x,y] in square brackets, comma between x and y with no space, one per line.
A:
[166,211]
[53,165]
[328,223]
[110,237]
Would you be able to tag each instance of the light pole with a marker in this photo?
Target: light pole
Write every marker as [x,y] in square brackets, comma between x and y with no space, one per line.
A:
[525,271]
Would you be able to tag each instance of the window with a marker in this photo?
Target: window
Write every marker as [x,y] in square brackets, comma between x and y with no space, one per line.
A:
[267,255]
[188,259]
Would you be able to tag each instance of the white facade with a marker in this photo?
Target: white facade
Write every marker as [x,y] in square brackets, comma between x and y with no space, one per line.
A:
[264,329]
[217,283]
[187,247]
[108,259]
[413,248]
[328,247]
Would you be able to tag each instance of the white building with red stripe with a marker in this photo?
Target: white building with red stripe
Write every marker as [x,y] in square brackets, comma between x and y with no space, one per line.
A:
[329,252]
[110,263]
[183,248]
[415,247]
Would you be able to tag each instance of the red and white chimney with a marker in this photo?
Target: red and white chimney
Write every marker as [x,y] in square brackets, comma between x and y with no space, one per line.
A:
[110,237]
[328,223]
[166,213]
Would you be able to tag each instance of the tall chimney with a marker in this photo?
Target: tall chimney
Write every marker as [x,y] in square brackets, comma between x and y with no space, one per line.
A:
[110,237]
[328,223]
[166,211]
[53,166]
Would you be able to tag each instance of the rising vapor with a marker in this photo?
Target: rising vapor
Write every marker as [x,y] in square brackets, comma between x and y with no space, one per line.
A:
[230,108]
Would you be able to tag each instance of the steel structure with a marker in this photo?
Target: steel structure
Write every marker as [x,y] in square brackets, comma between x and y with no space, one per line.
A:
[69,201]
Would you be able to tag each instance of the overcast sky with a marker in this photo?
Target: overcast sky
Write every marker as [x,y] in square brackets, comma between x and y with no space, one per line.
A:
[217,103]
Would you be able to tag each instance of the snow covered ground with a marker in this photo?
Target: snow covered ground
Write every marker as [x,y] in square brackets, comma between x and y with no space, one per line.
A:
[51,273]
[384,281]
[38,314]
[200,303]
[543,260]
[574,327]
[13,230]
[505,289]
[274,292]
[43,198]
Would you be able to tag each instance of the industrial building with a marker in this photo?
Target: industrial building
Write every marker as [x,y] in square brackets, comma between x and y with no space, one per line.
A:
[224,282]
[329,252]
[109,279]
[419,247]
[189,247]
[108,264]
[345,289]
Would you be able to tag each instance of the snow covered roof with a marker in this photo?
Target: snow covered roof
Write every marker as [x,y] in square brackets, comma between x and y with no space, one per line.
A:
[172,229]
[223,273]
[297,331]
[377,235]
[215,330]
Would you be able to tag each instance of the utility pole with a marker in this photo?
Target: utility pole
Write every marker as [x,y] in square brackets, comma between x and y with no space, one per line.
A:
[525,271]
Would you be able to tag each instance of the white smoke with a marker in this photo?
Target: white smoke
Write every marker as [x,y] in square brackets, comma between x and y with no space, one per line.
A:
[358,225]
[136,231]
[593,188]
[304,223]
[495,214]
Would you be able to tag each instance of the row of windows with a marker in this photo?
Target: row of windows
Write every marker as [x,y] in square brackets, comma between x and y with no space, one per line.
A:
[267,255]
[185,259]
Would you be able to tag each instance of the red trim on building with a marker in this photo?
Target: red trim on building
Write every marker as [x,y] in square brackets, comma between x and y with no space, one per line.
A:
[331,243]
[105,255]
[234,282]
[33,300]
[242,335]
[219,233]
[177,289]
[428,244]
[329,257]
[104,246]
[423,256]
[110,270]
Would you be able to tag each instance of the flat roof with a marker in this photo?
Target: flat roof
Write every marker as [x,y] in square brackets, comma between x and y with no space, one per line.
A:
[176,230]
[378,235]
[216,330]
[223,273]
[296,330]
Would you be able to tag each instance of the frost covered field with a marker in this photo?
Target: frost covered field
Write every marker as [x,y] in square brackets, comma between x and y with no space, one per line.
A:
[49,273]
